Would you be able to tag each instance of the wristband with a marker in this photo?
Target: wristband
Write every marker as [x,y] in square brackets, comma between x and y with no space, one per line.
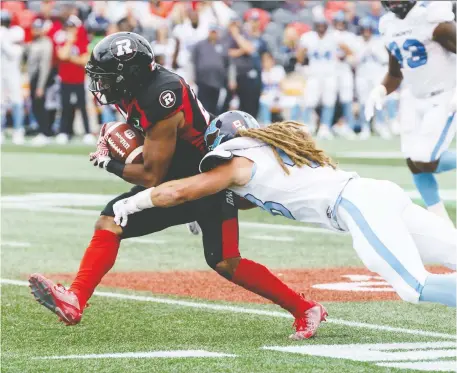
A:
[115,167]
[143,199]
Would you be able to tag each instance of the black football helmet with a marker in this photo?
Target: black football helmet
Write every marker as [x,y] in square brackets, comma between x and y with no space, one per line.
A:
[399,7]
[225,127]
[118,66]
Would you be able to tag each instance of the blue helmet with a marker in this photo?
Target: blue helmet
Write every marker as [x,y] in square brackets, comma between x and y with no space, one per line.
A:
[339,17]
[367,23]
[225,127]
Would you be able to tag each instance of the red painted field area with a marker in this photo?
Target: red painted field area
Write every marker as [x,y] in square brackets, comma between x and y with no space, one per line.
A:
[330,284]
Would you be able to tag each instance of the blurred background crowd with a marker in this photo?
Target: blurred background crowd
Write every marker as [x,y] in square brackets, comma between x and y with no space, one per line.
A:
[255,56]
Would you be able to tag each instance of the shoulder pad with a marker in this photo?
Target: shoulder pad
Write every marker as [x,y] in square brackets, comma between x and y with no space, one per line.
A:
[384,21]
[439,11]
[214,158]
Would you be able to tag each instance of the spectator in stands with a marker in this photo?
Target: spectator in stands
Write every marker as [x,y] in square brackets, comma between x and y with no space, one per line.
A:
[97,26]
[376,12]
[11,39]
[246,49]
[272,98]
[287,54]
[186,35]
[163,47]
[73,55]
[47,14]
[210,61]
[39,66]
[351,16]
[216,12]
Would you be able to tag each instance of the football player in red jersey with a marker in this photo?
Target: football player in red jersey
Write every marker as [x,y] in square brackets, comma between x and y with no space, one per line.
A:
[162,106]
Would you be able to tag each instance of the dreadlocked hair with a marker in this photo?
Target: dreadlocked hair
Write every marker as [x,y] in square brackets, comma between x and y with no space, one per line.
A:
[293,139]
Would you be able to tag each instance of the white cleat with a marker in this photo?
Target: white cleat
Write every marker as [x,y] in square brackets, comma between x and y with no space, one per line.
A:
[383,132]
[89,139]
[40,140]
[365,134]
[324,133]
[19,137]
[62,139]
[344,131]
[194,228]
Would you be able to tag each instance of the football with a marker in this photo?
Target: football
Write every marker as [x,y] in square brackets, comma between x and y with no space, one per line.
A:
[125,143]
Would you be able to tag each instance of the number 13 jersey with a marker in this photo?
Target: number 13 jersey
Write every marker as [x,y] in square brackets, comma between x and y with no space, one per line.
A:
[426,66]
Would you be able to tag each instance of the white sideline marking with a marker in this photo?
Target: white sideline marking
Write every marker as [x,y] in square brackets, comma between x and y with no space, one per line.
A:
[141,355]
[429,366]
[271,238]
[15,244]
[250,311]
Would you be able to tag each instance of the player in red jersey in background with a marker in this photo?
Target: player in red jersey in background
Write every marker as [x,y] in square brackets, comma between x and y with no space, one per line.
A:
[161,105]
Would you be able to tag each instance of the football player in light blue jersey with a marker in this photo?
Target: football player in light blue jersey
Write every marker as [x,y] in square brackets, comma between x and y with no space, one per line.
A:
[280,169]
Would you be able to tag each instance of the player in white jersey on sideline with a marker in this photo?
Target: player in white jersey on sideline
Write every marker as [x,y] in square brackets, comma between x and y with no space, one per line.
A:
[11,39]
[345,76]
[421,39]
[372,59]
[321,47]
[279,169]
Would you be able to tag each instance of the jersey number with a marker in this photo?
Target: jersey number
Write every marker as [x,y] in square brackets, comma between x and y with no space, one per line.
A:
[415,47]
[273,208]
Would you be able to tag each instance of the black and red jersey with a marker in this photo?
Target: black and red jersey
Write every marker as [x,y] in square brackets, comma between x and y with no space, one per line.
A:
[167,94]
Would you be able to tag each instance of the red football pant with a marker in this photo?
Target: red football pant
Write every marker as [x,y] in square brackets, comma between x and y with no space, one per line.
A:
[98,259]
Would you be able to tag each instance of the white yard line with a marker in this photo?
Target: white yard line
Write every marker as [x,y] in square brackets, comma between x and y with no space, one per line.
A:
[141,355]
[250,311]
[71,211]
[15,244]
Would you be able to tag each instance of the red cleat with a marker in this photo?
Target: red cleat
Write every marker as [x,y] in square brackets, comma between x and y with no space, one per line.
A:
[56,298]
[307,325]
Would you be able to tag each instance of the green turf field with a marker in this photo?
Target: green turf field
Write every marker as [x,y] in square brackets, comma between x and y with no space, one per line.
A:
[50,200]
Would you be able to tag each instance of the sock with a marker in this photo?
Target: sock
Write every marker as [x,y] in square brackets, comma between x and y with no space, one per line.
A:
[364,125]
[427,186]
[295,113]
[447,162]
[440,289]
[265,114]
[348,114]
[391,106]
[256,278]
[98,259]
[379,115]
[18,116]
[307,113]
[327,115]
